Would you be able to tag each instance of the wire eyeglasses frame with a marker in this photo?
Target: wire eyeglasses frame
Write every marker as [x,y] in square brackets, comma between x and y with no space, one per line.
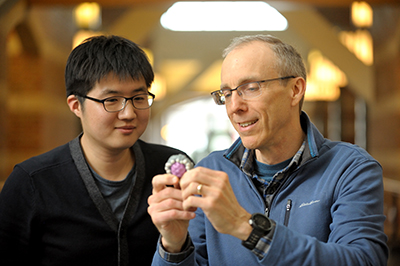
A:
[220,95]
[150,100]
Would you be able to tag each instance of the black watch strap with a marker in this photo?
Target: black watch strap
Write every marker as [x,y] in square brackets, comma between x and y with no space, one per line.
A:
[253,239]
[261,227]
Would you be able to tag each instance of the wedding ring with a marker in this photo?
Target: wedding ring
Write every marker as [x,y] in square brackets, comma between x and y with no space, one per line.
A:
[199,189]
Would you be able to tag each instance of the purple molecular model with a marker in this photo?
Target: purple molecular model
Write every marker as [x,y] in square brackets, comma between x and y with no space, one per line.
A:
[178,164]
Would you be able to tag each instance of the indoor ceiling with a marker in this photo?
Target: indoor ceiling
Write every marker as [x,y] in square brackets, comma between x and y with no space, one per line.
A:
[190,61]
[331,3]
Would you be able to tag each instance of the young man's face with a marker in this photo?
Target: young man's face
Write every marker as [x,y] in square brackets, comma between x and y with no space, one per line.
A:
[118,130]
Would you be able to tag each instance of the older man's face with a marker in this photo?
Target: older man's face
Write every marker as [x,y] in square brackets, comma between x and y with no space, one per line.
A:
[262,122]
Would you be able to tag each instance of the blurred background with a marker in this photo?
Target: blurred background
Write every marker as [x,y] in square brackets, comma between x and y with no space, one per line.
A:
[351,49]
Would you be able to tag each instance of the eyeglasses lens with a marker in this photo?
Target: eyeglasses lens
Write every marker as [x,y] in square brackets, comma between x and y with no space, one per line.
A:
[115,104]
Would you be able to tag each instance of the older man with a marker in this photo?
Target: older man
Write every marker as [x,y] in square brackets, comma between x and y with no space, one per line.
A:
[282,194]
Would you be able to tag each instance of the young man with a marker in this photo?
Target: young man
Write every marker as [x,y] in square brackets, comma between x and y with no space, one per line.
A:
[85,203]
[282,194]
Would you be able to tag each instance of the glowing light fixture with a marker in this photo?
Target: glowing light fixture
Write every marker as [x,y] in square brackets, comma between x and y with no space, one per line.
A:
[361,14]
[159,87]
[360,43]
[223,16]
[165,132]
[324,80]
[82,35]
[88,16]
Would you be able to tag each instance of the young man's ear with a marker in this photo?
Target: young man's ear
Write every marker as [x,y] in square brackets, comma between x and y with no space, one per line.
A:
[298,91]
[74,105]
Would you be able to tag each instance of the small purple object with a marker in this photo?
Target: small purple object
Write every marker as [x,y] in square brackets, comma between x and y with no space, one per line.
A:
[178,169]
[178,164]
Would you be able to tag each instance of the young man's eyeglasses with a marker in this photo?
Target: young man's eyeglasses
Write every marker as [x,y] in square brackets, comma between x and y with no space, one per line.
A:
[246,91]
[117,103]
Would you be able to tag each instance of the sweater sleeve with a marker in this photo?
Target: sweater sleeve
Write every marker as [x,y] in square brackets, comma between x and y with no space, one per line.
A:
[17,208]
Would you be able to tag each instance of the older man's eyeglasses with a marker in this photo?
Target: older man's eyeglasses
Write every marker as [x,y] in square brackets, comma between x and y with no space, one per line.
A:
[246,91]
[118,103]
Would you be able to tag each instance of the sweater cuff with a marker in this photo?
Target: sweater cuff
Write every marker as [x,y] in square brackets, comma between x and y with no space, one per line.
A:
[187,249]
[264,243]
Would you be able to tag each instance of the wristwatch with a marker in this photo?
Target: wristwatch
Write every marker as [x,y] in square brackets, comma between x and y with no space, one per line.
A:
[261,226]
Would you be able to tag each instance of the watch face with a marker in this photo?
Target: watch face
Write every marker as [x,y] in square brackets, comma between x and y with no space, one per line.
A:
[262,221]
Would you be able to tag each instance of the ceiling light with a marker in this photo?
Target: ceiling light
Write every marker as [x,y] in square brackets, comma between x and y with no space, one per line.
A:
[361,14]
[360,43]
[82,35]
[324,79]
[88,15]
[223,16]
[159,87]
